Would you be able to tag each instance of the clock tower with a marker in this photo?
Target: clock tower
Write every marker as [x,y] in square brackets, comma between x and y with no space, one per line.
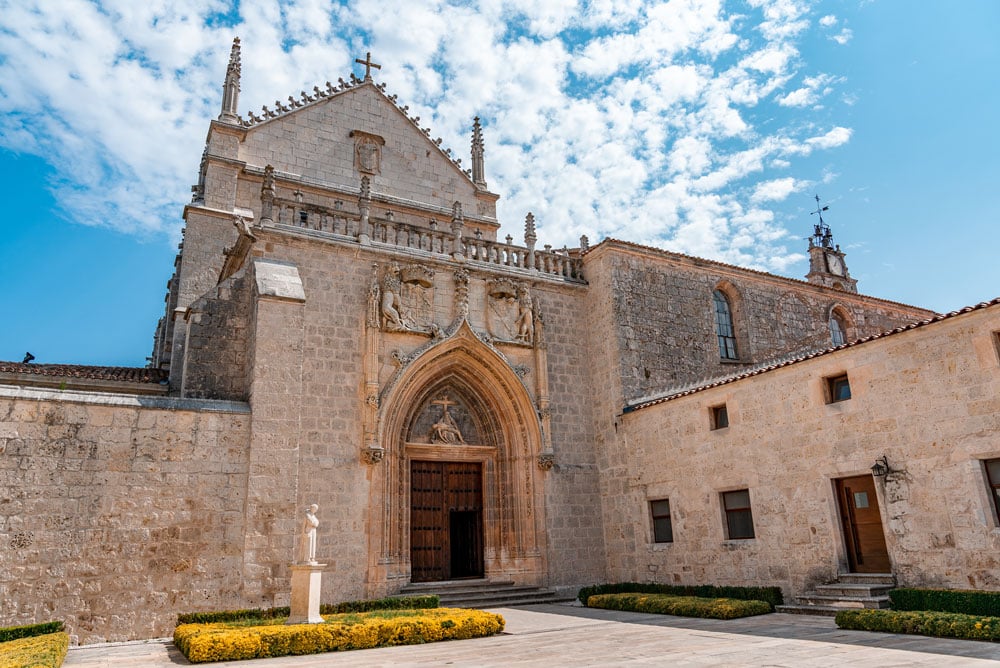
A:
[826,260]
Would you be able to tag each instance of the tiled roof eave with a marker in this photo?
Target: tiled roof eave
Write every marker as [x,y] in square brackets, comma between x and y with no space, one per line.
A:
[670,395]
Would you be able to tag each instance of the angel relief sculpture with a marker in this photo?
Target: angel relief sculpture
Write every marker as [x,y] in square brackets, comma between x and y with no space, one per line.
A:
[445,430]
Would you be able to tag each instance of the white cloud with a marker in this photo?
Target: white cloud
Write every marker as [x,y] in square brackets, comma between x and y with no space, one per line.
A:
[775,190]
[843,37]
[813,88]
[835,137]
[828,21]
[632,118]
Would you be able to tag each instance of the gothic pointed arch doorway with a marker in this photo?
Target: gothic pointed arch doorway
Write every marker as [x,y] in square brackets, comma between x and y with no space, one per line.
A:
[458,493]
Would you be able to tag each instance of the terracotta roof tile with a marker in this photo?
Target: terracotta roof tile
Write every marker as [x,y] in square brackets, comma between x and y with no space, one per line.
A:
[764,368]
[113,373]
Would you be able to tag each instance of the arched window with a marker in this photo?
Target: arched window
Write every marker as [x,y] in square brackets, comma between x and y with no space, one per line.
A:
[724,326]
[837,330]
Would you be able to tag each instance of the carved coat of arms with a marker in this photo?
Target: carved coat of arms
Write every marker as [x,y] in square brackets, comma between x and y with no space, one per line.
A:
[510,312]
[406,302]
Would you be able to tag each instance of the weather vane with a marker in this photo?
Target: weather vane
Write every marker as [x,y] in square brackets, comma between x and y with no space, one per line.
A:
[822,236]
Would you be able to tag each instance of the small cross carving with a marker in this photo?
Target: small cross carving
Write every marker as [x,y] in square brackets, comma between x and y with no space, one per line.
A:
[444,402]
[367,62]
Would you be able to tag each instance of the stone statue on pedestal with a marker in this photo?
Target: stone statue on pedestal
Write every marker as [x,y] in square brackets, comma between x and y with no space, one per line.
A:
[307,540]
[307,574]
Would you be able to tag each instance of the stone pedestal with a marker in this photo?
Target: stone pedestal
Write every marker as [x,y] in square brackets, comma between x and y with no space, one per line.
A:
[306,584]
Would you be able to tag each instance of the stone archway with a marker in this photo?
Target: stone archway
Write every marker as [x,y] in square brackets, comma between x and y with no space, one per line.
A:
[500,438]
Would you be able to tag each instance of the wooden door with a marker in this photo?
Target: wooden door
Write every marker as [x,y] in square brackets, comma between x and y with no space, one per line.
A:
[862,525]
[446,520]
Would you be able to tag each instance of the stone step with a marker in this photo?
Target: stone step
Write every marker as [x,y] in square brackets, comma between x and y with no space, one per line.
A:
[818,610]
[868,578]
[537,598]
[847,589]
[416,588]
[844,601]
[468,591]
[483,593]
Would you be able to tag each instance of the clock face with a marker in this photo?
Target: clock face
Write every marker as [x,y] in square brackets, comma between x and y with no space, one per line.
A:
[835,264]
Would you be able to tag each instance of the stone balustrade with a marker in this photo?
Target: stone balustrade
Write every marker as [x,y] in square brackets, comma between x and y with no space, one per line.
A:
[344,223]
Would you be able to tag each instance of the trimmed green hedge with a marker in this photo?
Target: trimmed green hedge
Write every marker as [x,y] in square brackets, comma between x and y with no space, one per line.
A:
[262,614]
[771,595]
[683,606]
[29,630]
[36,651]
[922,622]
[947,600]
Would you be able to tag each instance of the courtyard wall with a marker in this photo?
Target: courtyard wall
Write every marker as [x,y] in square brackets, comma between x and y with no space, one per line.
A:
[117,512]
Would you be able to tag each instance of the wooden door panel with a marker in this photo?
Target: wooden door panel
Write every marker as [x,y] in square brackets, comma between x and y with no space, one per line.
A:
[446,527]
[862,525]
[428,533]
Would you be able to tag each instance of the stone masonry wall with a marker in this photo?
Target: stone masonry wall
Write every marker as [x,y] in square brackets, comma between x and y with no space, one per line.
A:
[117,512]
[315,143]
[928,399]
[217,341]
[307,424]
[575,530]
[665,318]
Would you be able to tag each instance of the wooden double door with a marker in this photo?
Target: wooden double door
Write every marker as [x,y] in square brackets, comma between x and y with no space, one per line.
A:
[446,520]
[862,525]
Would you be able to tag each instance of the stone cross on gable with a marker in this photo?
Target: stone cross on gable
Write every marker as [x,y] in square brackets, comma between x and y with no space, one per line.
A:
[367,62]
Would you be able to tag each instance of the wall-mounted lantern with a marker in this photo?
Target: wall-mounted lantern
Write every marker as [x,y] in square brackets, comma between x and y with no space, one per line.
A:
[881,468]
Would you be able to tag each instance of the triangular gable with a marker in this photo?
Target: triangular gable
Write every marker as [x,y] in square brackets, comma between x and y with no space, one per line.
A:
[339,137]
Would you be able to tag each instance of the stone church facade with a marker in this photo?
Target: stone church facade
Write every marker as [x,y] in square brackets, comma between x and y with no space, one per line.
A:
[345,328]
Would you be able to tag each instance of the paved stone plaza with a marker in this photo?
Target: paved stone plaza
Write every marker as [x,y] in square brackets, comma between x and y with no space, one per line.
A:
[563,635]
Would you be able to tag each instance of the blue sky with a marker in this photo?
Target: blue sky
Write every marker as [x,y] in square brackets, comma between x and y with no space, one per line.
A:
[702,127]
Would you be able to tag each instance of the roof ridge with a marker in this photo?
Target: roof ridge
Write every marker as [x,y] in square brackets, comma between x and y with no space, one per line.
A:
[330,91]
[794,358]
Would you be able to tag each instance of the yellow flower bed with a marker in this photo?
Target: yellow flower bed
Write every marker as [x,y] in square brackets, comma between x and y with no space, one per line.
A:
[229,641]
[45,651]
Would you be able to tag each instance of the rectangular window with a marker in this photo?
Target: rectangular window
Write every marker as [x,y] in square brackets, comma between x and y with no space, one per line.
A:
[720,417]
[739,520]
[663,530]
[993,480]
[303,218]
[839,388]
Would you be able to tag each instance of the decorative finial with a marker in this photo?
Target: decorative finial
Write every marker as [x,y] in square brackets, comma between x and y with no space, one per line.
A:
[584,242]
[267,195]
[367,62]
[231,87]
[529,230]
[477,154]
